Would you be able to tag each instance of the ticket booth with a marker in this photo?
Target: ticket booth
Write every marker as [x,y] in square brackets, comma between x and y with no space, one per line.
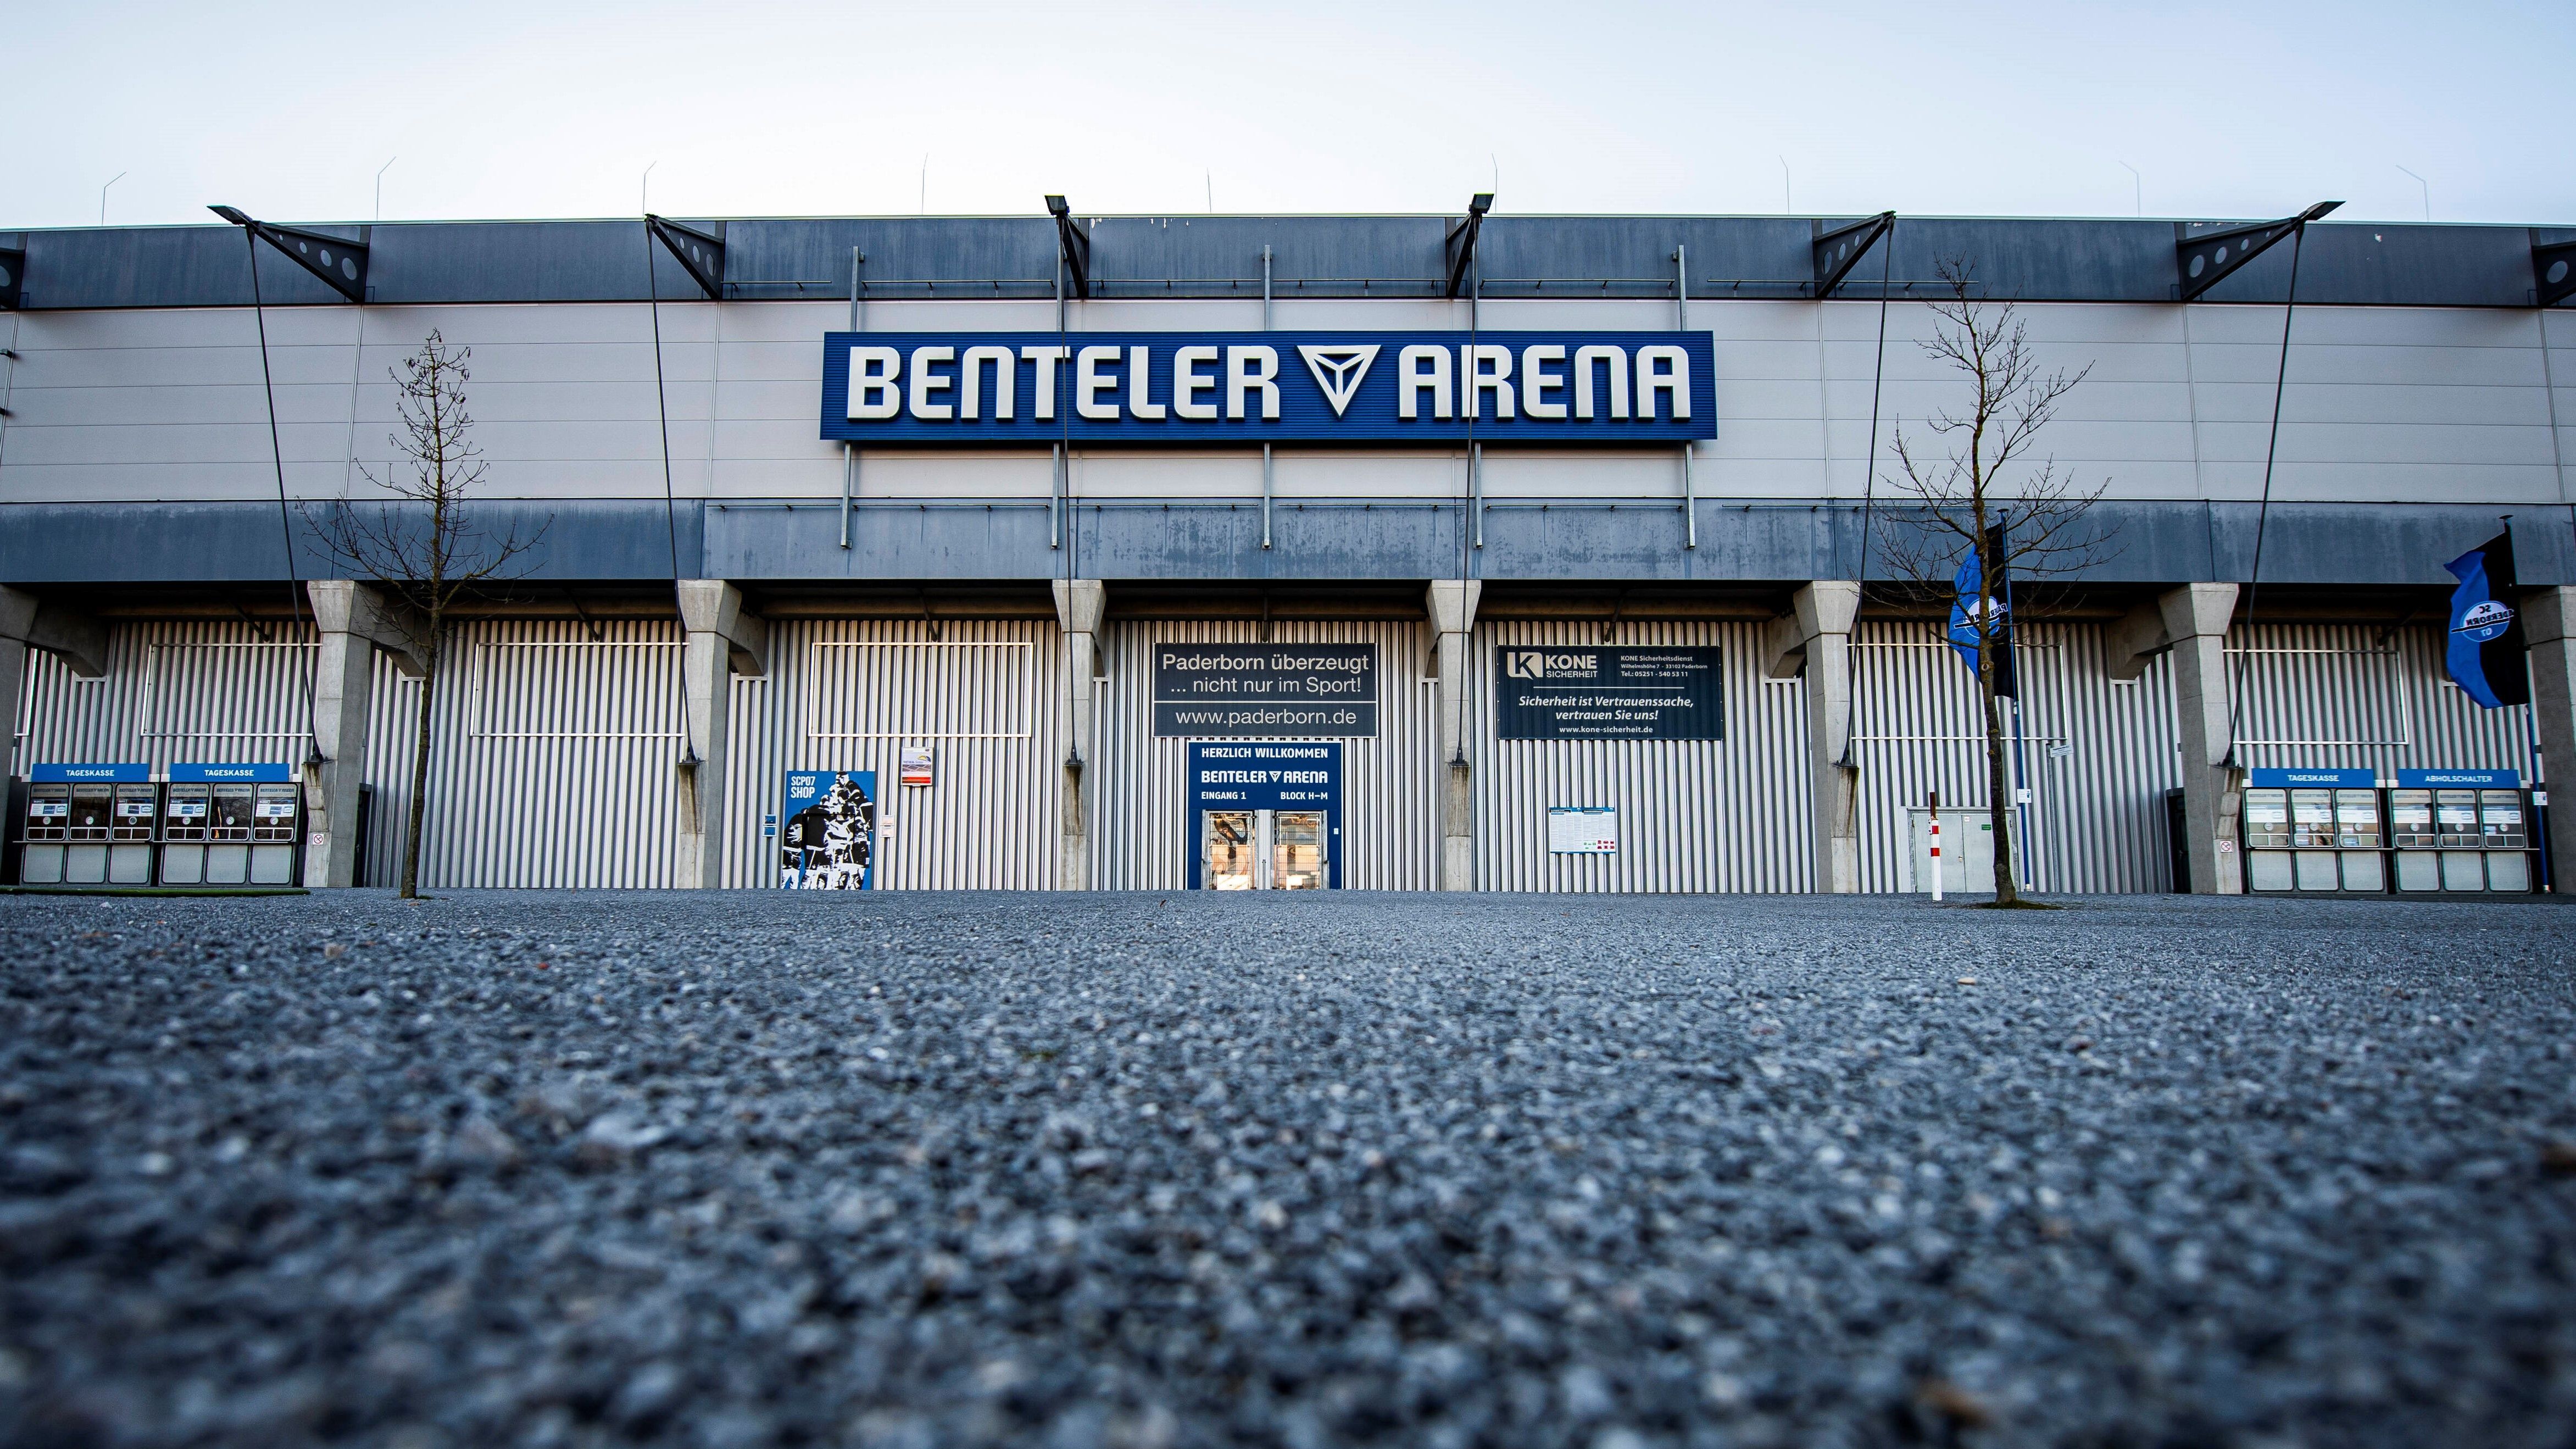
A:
[2314,831]
[231,824]
[79,826]
[1265,816]
[2458,831]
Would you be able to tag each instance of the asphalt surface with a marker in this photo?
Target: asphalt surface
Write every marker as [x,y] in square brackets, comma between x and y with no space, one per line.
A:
[1146,1171]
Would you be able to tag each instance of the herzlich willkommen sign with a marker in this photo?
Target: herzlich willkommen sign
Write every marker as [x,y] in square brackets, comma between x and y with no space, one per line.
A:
[1201,389]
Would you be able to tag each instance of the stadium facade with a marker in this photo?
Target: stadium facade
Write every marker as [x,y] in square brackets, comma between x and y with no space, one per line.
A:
[1396,552]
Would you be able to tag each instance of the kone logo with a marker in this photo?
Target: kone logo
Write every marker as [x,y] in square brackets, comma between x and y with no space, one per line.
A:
[1338,371]
[1539,664]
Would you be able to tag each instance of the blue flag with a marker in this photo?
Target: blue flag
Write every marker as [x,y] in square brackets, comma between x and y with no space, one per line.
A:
[1966,604]
[2485,653]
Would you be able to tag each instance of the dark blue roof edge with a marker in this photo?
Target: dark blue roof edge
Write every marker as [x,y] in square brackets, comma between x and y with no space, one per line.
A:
[2446,264]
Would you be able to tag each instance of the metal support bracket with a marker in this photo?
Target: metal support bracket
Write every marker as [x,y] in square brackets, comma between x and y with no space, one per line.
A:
[1836,252]
[338,261]
[1459,246]
[1074,243]
[700,254]
[2553,272]
[2203,259]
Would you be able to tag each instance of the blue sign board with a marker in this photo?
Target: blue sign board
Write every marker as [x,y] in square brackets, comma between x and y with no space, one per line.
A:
[128,774]
[829,840]
[2459,779]
[2340,779]
[1247,776]
[195,770]
[1201,389]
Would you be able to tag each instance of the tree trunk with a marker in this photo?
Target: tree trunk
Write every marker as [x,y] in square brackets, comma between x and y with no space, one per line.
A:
[1999,809]
[419,772]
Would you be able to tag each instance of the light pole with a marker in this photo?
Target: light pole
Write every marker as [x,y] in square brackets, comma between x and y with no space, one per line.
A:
[2137,185]
[102,197]
[2423,186]
[380,185]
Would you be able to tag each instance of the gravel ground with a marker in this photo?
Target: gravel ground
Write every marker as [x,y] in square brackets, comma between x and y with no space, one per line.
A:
[1150,1171]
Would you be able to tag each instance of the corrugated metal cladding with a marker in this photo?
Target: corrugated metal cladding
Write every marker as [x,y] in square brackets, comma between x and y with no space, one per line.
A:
[174,691]
[1694,815]
[2351,695]
[556,756]
[1390,813]
[849,694]
[2096,819]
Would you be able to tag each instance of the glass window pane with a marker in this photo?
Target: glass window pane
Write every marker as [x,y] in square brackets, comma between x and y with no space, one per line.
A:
[2356,817]
[2267,817]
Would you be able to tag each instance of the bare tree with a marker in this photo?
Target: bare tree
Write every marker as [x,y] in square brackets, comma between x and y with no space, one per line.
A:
[1984,485]
[422,545]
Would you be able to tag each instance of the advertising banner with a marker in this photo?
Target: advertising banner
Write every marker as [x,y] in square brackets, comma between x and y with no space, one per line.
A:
[1264,691]
[1580,692]
[1197,389]
[829,840]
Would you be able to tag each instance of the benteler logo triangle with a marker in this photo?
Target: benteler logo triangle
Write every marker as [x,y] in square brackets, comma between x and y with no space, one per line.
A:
[1339,369]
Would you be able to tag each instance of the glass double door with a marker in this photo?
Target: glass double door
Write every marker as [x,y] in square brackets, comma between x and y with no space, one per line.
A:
[1263,850]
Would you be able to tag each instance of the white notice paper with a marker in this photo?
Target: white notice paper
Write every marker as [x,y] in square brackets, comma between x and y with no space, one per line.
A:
[1582,830]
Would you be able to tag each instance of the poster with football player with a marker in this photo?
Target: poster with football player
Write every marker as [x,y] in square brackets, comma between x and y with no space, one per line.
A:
[828,841]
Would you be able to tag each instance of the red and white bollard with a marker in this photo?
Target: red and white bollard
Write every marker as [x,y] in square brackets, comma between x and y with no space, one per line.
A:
[1936,845]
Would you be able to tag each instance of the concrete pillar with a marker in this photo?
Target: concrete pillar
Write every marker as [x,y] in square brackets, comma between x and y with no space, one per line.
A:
[2549,629]
[1078,605]
[13,687]
[720,637]
[2195,619]
[1452,604]
[1815,637]
[354,622]
[27,622]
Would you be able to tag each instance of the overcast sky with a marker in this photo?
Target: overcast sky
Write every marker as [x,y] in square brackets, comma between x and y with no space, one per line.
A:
[530,109]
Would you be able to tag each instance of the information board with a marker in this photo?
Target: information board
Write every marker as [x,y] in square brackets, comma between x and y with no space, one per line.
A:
[1582,692]
[1265,691]
[1582,830]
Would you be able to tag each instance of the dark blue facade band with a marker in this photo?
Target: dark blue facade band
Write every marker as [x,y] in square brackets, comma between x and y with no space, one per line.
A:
[1217,389]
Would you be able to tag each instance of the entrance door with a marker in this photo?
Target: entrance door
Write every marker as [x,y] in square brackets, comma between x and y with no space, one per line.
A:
[1264,850]
[1297,847]
[1228,859]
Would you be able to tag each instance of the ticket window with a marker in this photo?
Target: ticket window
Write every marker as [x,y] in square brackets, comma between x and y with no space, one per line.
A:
[129,850]
[2314,863]
[1248,850]
[87,826]
[274,814]
[2455,822]
[2410,830]
[187,815]
[45,833]
[230,824]
[2268,863]
[2502,832]
[2358,840]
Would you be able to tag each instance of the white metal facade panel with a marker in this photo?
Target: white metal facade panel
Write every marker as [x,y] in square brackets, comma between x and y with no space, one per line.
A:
[1390,825]
[1694,815]
[2415,403]
[985,695]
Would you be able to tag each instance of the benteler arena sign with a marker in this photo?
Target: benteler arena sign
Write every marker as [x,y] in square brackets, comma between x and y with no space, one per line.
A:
[1203,389]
